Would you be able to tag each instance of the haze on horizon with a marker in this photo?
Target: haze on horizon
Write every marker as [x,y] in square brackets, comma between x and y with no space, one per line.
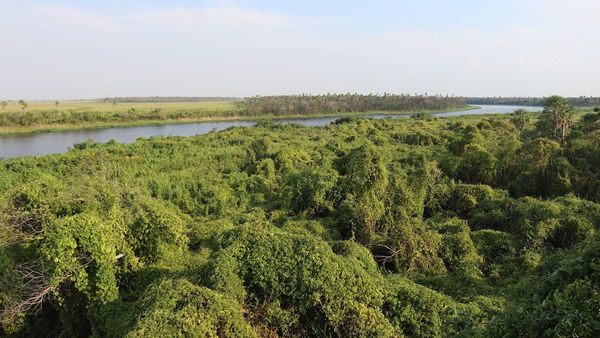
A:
[66,49]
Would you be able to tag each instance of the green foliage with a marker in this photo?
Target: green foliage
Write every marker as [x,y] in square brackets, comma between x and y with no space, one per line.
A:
[152,224]
[384,228]
[535,159]
[421,138]
[417,311]
[82,249]
[178,308]
[457,249]
[478,166]
[309,189]
[496,249]
[469,136]
[260,264]
[565,303]
[557,118]
[466,197]
[520,119]
[363,184]
[335,103]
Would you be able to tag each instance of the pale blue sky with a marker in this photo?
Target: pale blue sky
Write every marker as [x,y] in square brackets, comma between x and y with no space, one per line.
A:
[83,49]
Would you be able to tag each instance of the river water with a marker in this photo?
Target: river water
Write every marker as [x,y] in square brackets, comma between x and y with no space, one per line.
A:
[37,144]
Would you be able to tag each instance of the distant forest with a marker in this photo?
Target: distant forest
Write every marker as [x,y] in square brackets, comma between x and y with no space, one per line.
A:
[338,103]
[582,101]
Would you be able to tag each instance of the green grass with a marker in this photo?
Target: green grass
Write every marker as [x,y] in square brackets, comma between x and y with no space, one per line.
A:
[102,107]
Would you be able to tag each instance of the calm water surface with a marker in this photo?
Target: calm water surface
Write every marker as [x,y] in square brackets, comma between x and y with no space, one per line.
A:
[37,144]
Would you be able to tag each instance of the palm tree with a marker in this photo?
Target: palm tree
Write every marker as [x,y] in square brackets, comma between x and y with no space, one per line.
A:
[23,105]
[56,104]
[4,104]
[520,118]
[560,113]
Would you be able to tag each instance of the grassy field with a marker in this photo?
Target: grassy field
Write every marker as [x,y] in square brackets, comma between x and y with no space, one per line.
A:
[103,107]
[46,116]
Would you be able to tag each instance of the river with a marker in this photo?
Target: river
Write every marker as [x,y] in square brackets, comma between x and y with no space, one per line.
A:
[37,144]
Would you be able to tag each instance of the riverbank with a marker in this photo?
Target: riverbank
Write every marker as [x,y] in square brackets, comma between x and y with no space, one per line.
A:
[49,128]
[39,144]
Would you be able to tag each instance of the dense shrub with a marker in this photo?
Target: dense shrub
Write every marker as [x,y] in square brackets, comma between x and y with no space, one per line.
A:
[178,308]
[258,264]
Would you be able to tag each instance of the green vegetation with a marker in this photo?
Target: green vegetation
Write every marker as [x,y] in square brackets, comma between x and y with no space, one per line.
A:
[42,116]
[461,227]
[582,101]
[344,103]
[21,116]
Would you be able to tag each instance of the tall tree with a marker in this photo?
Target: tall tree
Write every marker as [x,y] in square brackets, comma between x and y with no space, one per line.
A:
[23,105]
[56,104]
[559,112]
[4,104]
[520,118]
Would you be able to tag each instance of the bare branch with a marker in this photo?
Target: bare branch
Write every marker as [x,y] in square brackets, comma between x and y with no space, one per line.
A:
[29,292]
[18,227]
[386,258]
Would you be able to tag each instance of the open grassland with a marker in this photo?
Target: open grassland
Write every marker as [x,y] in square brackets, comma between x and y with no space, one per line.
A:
[109,108]
[47,116]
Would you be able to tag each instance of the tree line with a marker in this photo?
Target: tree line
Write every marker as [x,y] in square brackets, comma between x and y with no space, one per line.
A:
[343,103]
[581,101]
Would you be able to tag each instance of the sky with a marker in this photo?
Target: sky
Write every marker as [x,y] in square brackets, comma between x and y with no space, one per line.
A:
[90,49]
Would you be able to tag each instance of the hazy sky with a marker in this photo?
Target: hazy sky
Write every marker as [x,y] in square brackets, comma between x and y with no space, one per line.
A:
[87,49]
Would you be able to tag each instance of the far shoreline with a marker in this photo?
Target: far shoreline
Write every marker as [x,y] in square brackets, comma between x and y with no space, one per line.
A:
[49,128]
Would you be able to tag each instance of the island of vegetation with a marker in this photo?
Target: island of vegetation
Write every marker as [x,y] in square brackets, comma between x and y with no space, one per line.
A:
[22,117]
[457,227]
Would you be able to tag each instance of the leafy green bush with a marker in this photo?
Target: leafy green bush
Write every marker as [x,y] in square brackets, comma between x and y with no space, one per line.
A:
[259,264]
[178,308]
[457,249]
[416,311]
[478,166]
[152,223]
[565,303]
